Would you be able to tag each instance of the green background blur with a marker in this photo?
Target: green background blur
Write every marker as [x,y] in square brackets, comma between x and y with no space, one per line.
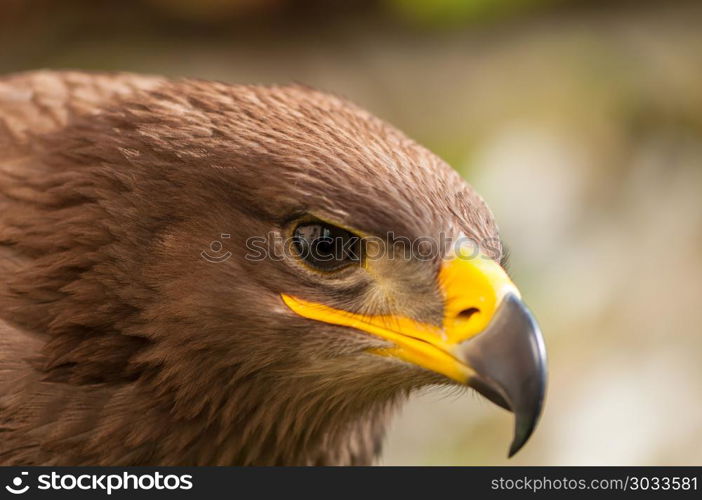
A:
[579,122]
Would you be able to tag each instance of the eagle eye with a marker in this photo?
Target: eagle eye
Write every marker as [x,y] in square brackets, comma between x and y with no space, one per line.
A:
[325,247]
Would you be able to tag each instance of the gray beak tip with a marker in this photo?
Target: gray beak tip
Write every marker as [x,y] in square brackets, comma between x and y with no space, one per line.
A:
[510,362]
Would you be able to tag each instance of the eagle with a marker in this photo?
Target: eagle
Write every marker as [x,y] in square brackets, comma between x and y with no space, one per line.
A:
[200,273]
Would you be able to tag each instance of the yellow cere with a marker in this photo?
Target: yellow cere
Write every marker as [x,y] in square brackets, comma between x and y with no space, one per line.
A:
[470,283]
[472,288]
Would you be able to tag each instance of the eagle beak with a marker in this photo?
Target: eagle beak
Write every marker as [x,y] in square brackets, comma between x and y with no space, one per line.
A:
[488,340]
[509,360]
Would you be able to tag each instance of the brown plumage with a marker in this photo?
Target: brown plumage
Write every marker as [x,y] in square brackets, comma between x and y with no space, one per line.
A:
[120,344]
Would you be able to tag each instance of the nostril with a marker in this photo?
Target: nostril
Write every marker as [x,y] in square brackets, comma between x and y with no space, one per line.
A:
[466,314]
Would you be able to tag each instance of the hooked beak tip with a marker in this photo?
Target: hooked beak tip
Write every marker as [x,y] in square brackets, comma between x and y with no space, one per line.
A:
[509,359]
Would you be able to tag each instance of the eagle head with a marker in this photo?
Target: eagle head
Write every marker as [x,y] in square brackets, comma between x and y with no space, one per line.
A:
[229,274]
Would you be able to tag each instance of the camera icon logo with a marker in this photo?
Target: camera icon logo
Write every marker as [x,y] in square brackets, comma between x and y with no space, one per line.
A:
[16,488]
[217,253]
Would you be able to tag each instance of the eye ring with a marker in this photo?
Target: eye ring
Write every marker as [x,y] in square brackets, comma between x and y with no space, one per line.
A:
[325,247]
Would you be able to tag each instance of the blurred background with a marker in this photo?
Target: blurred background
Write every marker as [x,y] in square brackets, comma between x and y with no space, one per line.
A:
[580,122]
